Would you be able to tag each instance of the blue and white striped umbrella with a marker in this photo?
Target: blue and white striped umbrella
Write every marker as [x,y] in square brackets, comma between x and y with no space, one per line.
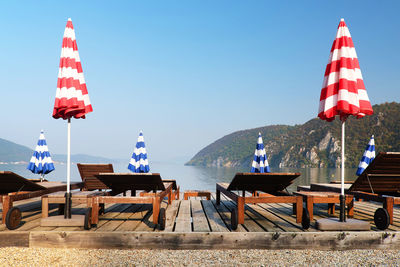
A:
[260,162]
[368,156]
[41,162]
[139,162]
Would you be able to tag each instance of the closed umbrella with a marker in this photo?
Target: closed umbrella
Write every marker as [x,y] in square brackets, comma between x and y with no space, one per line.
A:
[72,99]
[368,156]
[41,162]
[343,92]
[139,162]
[260,161]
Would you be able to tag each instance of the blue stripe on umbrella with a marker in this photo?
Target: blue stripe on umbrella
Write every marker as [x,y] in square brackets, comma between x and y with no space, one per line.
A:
[139,162]
[368,156]
[41,162]
[260,162]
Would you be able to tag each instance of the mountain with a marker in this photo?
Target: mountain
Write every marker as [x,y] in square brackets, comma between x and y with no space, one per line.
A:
[12,152]
[315,143]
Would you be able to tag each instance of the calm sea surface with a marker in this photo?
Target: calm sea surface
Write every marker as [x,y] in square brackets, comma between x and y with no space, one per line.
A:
[189,177]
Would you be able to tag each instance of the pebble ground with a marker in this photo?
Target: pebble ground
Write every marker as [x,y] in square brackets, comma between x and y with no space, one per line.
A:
[12,256]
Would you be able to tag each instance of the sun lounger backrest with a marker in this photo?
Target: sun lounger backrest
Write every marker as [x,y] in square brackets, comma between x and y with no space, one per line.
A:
[88,172]
[132,181]
[266,182]
[12,182]
[383,175]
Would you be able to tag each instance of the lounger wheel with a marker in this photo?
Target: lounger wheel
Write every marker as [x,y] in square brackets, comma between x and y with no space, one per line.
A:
[13,218]
[161,219]
[88,219]
[305,219]
[234,219]
[381,219]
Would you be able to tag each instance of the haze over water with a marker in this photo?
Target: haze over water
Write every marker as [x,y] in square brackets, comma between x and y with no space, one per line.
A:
[194,177]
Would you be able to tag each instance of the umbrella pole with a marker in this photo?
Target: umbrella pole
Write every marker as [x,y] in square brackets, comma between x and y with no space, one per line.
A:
[342,196]
[67,208]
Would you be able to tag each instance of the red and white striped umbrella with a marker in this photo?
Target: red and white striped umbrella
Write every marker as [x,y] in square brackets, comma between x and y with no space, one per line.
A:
[72,99]
[343,92]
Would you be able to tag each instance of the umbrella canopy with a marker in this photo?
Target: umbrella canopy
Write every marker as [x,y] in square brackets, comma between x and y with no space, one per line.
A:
[343,92]
[368,156]
[139,162]
[72,99]
[260,162]
[41,162]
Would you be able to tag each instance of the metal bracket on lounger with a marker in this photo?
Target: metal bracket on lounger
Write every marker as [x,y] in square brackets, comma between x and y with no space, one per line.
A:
[370,184]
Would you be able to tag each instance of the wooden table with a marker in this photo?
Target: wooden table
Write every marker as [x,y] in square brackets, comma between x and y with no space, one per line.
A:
[331,198]
[196,193]
[77,197]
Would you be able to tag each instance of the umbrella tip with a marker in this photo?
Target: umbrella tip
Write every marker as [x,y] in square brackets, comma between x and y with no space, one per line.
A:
[69,19]
[372,136]
[342,19]
[41,131]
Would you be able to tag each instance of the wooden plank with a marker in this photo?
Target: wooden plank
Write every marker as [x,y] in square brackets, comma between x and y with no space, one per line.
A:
[200,223]
[225,214]
[143,212]
[249,224]
[183,220]
[264,211]
[14,239]
[171,213]
[229,240]
[114,222]
[214,219]
[285,215]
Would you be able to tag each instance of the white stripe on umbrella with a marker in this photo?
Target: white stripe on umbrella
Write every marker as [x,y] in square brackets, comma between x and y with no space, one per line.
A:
[41,162]
[139,162]
[368,156]
[260,162]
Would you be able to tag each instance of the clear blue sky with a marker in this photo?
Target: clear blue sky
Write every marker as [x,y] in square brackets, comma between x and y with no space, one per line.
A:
[184,72]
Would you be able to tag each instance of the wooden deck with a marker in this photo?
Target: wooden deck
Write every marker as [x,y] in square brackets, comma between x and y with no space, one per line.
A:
[197,223]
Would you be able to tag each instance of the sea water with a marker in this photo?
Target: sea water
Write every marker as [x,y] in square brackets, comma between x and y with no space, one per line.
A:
[192,177]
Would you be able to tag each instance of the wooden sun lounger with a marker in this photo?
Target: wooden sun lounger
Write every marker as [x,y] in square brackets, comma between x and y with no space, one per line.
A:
[379,182]
[14,188]
[88,172]
[272,184]
[155,190]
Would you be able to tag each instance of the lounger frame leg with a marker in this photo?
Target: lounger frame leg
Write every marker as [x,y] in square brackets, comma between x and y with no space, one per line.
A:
[45,207]
[7,205]
[310,206]
[156,209]
[388,205]
[218,197]
[240,207]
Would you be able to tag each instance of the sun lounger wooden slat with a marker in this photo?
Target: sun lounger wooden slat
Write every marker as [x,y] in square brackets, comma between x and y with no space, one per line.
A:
[29,189]
[379,182]
[88,172]
[121,182]
[270,183]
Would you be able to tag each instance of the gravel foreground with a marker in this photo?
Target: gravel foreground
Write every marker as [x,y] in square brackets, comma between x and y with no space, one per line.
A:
[12,256]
